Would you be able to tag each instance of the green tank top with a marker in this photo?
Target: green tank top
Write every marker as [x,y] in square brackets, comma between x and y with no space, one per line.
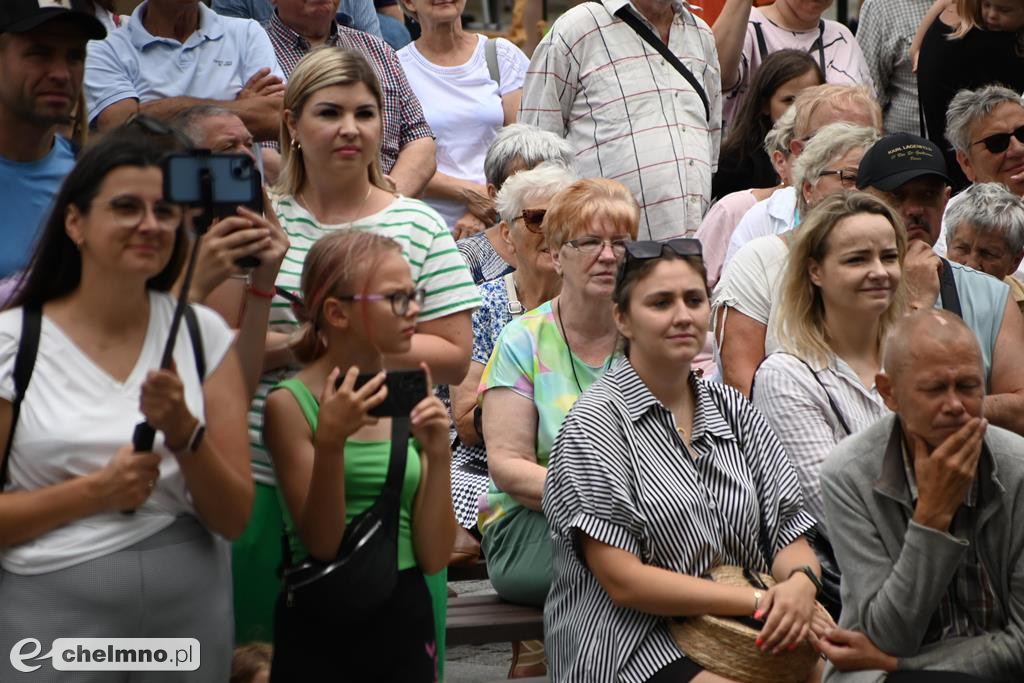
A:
[366,468]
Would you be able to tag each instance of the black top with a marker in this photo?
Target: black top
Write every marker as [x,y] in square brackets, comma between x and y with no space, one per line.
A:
[753,171]
[946,66]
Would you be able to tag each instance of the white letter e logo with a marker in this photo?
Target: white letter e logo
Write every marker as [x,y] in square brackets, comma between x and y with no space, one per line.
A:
[18,657]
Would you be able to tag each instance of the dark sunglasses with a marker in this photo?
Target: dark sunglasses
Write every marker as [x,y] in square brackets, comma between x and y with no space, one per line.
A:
[532,219]
[999,142]
[645,250]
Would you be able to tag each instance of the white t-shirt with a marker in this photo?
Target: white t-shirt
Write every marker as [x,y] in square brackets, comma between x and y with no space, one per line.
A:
[75,417]
[463,107]
[750,283]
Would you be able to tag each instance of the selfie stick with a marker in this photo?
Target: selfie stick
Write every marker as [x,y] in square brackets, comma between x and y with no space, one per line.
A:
[142,438]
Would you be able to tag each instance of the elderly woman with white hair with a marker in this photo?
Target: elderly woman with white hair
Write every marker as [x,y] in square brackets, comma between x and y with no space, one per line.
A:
[516,148]
[985,231]
[522,203]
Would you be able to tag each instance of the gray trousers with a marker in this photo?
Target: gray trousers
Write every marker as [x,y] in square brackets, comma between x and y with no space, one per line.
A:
[174,584]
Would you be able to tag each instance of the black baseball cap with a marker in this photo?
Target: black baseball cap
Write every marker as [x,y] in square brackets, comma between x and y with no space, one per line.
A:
[21,16]
[899,158]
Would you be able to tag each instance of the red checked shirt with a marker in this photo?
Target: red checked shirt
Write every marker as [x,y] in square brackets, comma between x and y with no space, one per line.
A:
[403,115]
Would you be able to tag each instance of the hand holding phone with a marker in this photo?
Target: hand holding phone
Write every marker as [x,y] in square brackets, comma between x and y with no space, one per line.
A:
[345,408]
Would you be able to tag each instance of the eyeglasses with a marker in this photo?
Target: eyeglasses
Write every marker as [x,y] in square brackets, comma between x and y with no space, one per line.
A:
[400,301]
[645,250]
[532,219]
[592,246]
[848,179]
[999,142]
[130,211]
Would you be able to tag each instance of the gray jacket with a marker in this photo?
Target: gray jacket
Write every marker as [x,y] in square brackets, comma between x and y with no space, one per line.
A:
[895,572]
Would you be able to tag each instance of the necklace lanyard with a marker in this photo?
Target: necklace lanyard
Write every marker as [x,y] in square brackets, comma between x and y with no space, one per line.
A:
[572,362]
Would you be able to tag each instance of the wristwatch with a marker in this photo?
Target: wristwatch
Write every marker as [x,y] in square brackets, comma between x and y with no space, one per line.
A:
[810,575]
[192,445]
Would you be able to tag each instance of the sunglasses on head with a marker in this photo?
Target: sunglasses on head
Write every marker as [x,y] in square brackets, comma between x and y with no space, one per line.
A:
[645,250]
[999,142]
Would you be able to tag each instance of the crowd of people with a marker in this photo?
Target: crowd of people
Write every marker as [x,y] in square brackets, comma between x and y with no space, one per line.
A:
[678,327]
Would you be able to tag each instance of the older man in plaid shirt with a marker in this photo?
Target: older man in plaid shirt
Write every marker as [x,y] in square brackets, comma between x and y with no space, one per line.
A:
[627,111]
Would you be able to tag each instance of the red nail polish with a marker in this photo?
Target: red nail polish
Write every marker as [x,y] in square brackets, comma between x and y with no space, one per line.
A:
[757,614]
[758,642]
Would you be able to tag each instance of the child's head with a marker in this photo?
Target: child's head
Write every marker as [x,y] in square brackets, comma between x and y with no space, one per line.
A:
[251,663]
[357,283]
[992,15]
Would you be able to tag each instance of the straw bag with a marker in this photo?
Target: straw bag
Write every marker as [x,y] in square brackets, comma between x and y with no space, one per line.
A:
[725,645]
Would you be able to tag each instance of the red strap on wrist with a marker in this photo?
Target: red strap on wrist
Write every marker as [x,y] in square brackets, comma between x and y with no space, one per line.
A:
[260,293]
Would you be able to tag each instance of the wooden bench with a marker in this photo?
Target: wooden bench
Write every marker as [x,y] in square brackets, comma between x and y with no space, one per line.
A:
[481,619]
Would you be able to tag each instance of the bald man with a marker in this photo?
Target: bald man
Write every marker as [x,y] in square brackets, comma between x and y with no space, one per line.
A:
[926,514]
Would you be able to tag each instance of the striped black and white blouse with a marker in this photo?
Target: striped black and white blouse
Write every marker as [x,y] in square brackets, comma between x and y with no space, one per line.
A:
[620,474]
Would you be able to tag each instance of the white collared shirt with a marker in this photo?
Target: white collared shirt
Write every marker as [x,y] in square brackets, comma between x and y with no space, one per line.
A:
[772,216]
[628,114]
[213,63]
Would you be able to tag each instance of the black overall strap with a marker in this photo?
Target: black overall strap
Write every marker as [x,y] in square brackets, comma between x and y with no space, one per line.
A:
[24,362]
[820,43]
[631,19]
[947,290]
[762,46]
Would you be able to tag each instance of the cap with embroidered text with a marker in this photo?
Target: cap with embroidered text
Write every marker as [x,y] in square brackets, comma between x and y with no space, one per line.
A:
[21,16]
[899,158]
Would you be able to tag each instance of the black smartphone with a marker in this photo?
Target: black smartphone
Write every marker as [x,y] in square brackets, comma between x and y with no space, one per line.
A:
[406,388]
[234,179]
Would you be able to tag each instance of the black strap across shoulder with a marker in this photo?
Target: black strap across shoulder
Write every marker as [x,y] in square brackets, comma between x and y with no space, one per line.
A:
[631,19]
[947,290]
[25,362]
[392,482]
[28,346]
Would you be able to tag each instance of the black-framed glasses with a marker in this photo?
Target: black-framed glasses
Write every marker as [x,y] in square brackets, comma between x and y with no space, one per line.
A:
[532,219]
[997,143]
[592,245]
[848,179]
[400,301]
[645,250]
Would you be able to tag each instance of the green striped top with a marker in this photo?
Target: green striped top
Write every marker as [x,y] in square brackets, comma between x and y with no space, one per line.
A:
[427,245]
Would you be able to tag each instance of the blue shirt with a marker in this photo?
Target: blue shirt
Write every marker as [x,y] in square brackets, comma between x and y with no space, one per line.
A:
[26,192]
[213,63]
[982,302]
[357,14]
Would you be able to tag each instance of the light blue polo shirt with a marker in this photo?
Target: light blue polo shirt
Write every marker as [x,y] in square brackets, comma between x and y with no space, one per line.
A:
[983,302]
[213,63]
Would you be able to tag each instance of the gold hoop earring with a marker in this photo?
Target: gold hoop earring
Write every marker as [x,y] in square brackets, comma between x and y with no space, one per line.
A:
[296,145]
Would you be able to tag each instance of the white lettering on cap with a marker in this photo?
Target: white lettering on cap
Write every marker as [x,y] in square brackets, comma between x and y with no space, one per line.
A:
[61,4]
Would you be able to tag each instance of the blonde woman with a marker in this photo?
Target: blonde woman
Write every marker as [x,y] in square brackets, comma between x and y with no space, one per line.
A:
[331,180]
[841,291]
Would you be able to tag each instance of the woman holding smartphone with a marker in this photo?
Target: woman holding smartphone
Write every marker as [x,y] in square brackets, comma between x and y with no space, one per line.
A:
[331,459]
